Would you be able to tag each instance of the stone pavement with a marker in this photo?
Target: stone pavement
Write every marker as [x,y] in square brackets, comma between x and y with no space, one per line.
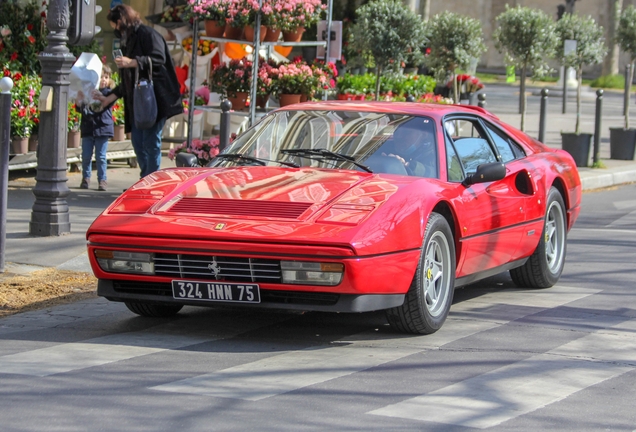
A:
[24,253]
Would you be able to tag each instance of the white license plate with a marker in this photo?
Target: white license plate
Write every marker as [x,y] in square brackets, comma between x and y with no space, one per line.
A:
[216,291]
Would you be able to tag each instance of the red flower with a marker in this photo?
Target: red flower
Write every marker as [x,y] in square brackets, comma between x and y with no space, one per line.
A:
[14,56]
[29,27]
[7,72]
[31,39]
[17,75]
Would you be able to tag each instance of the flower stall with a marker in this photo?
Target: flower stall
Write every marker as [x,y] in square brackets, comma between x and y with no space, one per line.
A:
[242,16]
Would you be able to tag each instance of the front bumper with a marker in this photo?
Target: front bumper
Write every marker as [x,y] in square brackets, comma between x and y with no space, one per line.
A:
[161,293]
[369,282]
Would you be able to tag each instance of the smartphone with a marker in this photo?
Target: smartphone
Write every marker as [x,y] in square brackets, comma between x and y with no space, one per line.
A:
[117,53]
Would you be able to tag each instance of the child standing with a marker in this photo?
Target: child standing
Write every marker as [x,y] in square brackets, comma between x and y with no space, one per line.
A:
[97,127]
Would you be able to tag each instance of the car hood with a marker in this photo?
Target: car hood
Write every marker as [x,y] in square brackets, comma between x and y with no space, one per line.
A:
[273,204]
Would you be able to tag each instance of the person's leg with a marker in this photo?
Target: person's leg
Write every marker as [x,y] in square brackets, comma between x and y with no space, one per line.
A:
[87,156]
[152,147]
[101,146]
[137,138]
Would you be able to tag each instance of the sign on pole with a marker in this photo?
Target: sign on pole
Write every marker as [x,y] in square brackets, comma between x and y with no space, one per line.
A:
[335,50]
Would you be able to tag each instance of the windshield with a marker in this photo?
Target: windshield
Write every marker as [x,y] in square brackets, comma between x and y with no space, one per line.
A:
[364,141]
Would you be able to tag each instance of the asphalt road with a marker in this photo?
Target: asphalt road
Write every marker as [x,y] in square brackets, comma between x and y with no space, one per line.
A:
[507,359]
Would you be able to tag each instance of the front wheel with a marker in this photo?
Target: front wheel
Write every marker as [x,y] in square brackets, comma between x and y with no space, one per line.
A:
[153,310]
[429,298]
[544,267]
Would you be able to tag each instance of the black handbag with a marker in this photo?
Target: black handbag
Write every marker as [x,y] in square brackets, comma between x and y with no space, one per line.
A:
[144,101]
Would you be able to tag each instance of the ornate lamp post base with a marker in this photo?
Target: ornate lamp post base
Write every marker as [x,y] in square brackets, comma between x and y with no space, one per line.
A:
[50,214]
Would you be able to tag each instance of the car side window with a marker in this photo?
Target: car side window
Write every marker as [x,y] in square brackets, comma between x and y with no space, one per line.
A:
[470,142]
[508,149]
[453,166]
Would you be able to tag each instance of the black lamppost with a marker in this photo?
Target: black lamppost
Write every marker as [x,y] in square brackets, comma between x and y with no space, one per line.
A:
[50,214]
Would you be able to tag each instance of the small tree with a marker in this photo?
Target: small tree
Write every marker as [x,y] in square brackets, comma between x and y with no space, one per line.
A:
[590,49]
[626,39]
[454,41]
[526,37]
[389,32]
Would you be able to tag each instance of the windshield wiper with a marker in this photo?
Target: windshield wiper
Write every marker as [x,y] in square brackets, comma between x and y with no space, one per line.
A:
[259,161]
[325,154]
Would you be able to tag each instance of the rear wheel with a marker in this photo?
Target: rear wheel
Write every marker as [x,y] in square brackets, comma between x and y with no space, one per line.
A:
[153,310]
[429,298]
[544,267]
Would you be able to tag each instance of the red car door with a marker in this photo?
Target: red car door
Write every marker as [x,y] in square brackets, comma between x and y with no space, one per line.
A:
[490,215]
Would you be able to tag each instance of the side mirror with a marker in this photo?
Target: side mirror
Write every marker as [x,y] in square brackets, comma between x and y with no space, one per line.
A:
[485,173]
[186,160]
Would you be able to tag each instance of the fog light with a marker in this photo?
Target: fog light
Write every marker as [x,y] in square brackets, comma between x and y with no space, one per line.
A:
[125,262]
[311,273]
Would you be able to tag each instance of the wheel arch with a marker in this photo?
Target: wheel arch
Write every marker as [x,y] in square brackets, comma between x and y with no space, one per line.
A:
[444,208]
[559,184]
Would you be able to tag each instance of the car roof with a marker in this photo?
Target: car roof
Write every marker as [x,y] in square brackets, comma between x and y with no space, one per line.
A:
[412,108]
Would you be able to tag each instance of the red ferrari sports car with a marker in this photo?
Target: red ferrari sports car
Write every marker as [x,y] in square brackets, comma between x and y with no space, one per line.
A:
[344,207]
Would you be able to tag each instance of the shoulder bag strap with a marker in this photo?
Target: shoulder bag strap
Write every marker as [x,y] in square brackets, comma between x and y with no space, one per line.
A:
[149,74]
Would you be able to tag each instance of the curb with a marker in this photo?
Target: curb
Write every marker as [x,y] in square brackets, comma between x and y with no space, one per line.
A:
[604,180]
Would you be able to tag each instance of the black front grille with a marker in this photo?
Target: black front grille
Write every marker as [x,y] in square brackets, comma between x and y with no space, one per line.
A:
[222,268]
[145,288]
[267,296]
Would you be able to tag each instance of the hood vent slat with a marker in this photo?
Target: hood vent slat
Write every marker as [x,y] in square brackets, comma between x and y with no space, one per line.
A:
[232,207]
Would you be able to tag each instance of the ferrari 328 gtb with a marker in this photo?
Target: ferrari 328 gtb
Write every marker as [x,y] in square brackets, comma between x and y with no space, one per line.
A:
[344,207]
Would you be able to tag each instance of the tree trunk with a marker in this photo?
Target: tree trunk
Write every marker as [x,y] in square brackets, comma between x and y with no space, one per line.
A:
[425,9]
[522,97]
[378,74]
[579,79]
[629,91]
[610,64]
[455,89]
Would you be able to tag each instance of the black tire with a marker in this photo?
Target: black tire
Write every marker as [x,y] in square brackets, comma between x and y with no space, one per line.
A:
[153,310]
[544,267]
[429,298]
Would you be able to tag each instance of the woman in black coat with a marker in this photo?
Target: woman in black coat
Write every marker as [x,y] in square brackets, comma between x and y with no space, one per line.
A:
[142,46]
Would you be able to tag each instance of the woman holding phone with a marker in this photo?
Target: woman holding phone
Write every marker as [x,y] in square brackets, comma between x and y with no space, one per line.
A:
[143,47]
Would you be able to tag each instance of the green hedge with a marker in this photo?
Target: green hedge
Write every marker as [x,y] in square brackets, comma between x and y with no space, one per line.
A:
[609,81]
[400,85]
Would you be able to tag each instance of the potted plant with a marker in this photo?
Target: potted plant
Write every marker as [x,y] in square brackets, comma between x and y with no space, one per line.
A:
[23,110]
[73,126]
[119,120]
[590,49]
[527,38]
[232,80]
[455,41]
[291,81]
[22,35]
[467,86]
[623,140]
[293,16]
[390,33]
[325,75]
[213,12]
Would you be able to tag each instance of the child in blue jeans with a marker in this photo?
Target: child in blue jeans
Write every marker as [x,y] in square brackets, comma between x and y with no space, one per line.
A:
[97,128]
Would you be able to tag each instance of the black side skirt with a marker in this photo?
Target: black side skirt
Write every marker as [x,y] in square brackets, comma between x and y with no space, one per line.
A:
[487,273]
